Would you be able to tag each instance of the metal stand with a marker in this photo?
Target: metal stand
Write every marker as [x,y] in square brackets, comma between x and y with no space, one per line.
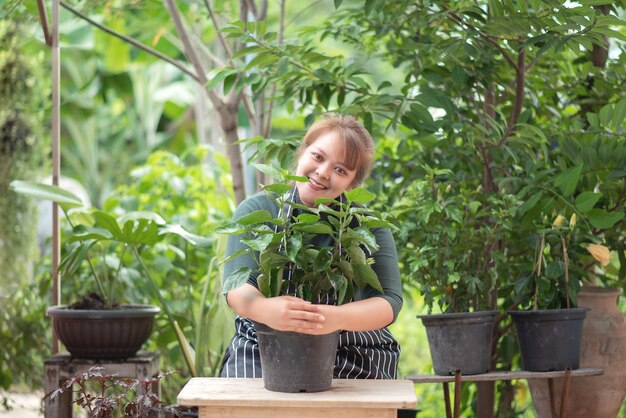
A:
[60,367]
[567,374]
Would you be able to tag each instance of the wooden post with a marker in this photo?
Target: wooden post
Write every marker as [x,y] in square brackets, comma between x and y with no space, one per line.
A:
[56,160]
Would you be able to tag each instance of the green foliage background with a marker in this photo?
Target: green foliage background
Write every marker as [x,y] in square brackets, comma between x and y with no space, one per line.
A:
[490,119]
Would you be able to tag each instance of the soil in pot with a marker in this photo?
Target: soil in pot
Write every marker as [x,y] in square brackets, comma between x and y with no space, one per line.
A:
[294,362]
[549,339]
[460,341]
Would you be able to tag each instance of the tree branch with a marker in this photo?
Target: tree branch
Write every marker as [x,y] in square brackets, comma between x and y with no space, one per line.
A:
[43,18]
[281,35]
[216,25]
[520,81]
[483,35]
[133,42]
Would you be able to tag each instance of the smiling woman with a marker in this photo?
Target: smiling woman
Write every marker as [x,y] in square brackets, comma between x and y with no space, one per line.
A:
[335,156]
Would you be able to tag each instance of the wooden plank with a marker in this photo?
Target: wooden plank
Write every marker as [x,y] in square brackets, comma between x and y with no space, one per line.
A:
[279,412]
[344,393]
[505,375]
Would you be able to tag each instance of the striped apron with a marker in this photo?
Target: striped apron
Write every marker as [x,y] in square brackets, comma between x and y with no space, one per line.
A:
[360,354]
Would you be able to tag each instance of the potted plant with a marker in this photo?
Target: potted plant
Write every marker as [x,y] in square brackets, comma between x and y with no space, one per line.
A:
[98,246]
[550,328]
[295,362]
[589,228]
[451,250]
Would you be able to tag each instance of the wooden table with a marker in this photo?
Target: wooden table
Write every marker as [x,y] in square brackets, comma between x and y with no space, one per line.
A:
[510,375]
[244,398]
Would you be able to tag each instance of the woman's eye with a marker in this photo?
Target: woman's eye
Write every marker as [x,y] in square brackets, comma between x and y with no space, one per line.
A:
[316,156]
[340,170]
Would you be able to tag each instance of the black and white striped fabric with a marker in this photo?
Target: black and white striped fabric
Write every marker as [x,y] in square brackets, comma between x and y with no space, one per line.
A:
[360,355]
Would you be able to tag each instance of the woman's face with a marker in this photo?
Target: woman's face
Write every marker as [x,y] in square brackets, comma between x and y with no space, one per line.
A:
[323,163]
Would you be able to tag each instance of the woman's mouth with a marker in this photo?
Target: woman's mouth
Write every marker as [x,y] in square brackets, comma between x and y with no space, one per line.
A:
[316,185]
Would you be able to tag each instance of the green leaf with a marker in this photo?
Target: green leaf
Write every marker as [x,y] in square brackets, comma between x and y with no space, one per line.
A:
[236,279]
[356,254]
[346,269]
[293,246]
[364,236]
[254,217]
[339,284]
[530,203]
[619,113]
[568,180]
[263,60]
[46,192]
[307,218]
[363,273]
[360,195]
[338,3]
[543,283]
[264,285]
[473,207]
[193,239]
[316,228]
[555,270]
[108,222]
[602,219]
[301,179]
[278,188]
[137,215]
[259,243]
[273,172]
[276,282]
[219,77]
[522,284]
[586,201]
[229,81]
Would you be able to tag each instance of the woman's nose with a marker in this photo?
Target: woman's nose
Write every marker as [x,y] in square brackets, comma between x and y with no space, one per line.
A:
[323,171]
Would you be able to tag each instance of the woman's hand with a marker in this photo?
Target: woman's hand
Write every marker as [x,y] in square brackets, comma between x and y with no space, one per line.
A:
[284,313]
[287,313]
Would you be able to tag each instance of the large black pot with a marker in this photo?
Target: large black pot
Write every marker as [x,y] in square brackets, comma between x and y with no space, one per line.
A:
[549,339]
[294,362]
[460,341]
[103,334]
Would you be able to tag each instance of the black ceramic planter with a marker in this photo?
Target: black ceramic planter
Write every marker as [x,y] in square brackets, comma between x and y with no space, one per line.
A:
[549,339]
[460,341]
[103,334]
[294,362]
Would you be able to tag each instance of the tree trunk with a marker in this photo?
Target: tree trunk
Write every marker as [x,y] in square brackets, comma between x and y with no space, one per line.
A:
[228,121]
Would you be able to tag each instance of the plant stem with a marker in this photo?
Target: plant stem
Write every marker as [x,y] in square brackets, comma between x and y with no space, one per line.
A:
[166,309]
[540,261]
[565,259]
[93,269]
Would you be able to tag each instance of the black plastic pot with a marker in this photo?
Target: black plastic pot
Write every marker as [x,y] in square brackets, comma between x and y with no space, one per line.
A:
[460,341]
[103,334]
[294,362]
[549,339]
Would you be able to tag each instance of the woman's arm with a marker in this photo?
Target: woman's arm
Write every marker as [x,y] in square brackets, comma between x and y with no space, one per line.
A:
[362,315]
[283,313]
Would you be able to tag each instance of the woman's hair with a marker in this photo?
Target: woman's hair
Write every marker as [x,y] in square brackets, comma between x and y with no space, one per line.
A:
[357,143]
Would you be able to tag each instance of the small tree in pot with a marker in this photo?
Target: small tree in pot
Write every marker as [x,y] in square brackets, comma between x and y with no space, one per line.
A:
[290,261]
[454,236]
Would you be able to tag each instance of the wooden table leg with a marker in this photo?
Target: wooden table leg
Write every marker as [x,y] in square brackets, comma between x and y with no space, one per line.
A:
[565,392]
[457,393]
[446,398]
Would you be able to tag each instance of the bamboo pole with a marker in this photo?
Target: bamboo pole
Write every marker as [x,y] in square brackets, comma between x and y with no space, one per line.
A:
[56,161]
